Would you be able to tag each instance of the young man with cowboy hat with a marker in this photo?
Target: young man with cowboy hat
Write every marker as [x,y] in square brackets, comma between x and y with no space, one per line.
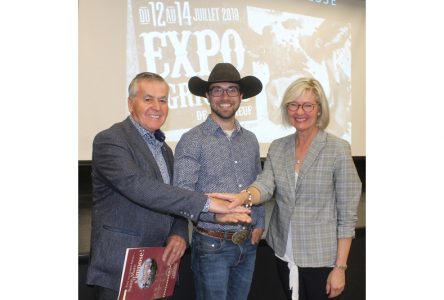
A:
[221,156]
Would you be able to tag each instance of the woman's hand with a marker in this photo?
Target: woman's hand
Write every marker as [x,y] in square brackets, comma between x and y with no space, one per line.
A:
[335,283]
[224,207]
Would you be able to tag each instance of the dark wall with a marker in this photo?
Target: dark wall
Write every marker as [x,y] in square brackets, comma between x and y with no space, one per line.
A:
[85,187]
[360,167]
[265,284]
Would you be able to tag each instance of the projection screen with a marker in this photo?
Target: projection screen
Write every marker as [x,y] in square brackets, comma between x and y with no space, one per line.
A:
[276,41]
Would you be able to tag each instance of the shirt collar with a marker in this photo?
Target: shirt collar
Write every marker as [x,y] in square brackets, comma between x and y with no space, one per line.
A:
[148,136]
[213,127]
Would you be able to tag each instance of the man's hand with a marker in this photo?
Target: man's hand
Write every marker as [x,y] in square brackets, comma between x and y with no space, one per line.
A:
[232,218]
[174,250]
[234,199]
[224,207]
[256,235]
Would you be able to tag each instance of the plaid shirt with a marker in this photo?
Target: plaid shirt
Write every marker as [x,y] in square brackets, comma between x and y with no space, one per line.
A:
[207,160]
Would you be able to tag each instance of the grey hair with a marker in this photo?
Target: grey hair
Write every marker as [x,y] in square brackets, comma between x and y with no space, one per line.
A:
[296,89]
[133,86]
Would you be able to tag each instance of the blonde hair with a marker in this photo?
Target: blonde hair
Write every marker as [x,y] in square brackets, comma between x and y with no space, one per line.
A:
[296,89]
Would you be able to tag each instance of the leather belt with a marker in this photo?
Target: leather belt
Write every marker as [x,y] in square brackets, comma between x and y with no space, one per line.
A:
[237,237]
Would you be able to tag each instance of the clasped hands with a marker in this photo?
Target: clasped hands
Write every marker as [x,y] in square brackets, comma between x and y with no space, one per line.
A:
[229,208]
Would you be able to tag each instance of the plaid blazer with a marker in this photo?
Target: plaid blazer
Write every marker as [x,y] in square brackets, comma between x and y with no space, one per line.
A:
[322,205]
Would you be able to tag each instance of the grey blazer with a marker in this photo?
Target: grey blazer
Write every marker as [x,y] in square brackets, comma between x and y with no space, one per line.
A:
[132,207]
[322,205]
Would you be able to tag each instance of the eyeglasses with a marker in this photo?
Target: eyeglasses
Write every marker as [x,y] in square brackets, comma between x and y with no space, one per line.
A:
[217,91]
[307,107]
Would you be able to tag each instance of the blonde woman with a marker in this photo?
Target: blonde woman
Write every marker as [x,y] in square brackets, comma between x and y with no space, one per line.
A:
[313,179]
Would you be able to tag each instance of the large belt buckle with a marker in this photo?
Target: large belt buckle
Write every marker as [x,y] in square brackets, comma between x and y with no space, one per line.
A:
[240,236]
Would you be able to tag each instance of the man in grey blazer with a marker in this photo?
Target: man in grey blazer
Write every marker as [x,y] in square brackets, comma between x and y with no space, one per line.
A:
[134,204]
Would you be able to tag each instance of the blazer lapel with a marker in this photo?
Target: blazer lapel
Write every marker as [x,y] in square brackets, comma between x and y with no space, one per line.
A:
[138,141]
[290,160]
[168,160]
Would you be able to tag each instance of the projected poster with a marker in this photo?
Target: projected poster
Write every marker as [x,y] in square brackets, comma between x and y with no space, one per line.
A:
[181,39]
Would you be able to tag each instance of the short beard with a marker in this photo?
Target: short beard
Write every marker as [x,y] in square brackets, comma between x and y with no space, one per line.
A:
[221,116]
[216,112]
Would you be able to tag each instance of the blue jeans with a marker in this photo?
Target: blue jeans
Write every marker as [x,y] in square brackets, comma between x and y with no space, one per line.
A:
[222,270]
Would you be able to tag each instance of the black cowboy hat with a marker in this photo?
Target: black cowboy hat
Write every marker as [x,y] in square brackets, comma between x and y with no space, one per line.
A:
[225,72]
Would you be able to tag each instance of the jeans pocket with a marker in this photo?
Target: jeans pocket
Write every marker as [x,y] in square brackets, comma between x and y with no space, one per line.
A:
[207,244]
